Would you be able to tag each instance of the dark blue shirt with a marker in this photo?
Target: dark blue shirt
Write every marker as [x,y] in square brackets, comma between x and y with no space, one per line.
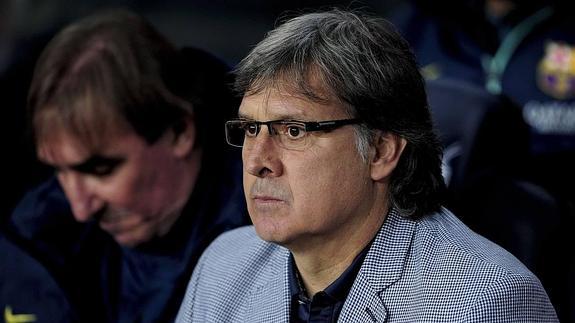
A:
[325,305]
[106,282]
[28,293]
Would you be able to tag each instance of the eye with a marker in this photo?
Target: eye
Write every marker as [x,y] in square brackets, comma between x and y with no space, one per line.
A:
[99,166]
[251,129]
[295,131]
[103,170]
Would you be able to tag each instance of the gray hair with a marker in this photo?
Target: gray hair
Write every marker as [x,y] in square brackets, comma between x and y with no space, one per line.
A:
[363,63]
[363,139]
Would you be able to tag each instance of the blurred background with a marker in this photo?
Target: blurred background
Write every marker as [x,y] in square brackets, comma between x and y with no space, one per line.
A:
[227,29]
[501,81]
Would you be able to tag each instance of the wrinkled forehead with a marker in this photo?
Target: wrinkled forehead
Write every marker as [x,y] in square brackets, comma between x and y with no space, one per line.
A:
[309,82]
[282,97]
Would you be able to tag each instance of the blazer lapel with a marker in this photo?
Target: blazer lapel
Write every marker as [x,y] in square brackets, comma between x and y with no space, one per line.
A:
[382,267]
[270,300]
[363,304]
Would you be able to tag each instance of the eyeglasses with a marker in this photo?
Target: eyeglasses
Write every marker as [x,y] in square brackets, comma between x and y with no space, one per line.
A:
[289,134]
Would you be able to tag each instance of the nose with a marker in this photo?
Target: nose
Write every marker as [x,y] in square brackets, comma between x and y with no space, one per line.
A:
[261,158]
[80,193]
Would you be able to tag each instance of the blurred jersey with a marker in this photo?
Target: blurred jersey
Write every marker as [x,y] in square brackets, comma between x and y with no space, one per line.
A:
[528,56]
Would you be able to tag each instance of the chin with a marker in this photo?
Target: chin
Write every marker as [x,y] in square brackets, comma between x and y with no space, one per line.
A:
[272,230]
[129,241]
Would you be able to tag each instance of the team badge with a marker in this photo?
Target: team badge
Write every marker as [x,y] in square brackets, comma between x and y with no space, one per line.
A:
[556,71]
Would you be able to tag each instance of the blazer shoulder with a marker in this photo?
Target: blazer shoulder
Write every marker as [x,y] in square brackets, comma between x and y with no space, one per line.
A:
[237,240]
[448,235]
[476,278]
[239,248]
[513,297]
[236,265]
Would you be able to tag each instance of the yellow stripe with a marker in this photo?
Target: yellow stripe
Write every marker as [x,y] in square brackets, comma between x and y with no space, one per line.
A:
[10,317]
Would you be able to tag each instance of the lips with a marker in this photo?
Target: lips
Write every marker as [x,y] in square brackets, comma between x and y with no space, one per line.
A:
[265,198]
[265,204]
[266,191]
[118,227]
[268,201]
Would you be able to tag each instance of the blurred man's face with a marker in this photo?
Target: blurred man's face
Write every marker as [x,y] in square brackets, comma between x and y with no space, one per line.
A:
[134,189]
[303,195]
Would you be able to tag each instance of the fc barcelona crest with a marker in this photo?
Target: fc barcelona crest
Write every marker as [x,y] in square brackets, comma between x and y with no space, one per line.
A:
[556,71]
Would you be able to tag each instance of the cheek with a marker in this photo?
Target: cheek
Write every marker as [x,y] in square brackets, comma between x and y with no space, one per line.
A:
[122,191]
[130,188]
[311,184]
[248,181]
[321,186]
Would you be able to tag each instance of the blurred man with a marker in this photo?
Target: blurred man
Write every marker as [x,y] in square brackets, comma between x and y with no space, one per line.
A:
[131,126]
[342,176]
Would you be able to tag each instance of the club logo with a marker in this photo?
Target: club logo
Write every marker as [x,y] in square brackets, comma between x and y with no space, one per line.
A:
[556,71]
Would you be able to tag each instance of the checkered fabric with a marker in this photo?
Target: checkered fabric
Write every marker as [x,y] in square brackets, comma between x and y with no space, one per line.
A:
[431,270]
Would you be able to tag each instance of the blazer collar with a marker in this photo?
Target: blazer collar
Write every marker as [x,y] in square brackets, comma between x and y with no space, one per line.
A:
[383,266]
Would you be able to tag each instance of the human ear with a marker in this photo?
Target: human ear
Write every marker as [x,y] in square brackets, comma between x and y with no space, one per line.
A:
[388,148]
[184,137]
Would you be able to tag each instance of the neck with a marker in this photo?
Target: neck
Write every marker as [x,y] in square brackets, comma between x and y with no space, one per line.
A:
[321,261]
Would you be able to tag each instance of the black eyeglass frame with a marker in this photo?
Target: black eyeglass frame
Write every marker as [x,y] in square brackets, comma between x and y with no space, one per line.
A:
[310,126]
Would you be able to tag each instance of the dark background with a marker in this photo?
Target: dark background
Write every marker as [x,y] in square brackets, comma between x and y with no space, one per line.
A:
[227,29]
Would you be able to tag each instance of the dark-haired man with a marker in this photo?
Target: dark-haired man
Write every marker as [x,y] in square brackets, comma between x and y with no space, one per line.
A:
[342,177]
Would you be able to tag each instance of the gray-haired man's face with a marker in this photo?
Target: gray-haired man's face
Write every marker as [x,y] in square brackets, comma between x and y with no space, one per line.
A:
[294,195]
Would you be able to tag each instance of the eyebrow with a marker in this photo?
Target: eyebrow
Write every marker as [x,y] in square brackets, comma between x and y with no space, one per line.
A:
[278,117]
[243,116]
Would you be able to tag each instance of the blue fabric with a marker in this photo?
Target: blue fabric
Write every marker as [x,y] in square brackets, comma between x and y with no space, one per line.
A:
[27,290]
[431,270]
[108,283]
[325,305]
[449,47]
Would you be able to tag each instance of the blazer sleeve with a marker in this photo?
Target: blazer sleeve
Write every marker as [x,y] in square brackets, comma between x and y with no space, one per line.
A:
[186,312]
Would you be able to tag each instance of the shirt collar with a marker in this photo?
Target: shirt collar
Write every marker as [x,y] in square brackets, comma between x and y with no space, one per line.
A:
[338,289]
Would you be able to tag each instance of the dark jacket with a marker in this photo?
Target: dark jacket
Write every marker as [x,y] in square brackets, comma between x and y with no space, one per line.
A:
[105,282]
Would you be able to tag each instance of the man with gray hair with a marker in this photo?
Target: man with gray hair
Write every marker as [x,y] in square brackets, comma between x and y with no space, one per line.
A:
[343,184]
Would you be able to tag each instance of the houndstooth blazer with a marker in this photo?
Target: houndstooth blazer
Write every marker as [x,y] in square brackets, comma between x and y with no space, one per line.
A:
[431,270]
